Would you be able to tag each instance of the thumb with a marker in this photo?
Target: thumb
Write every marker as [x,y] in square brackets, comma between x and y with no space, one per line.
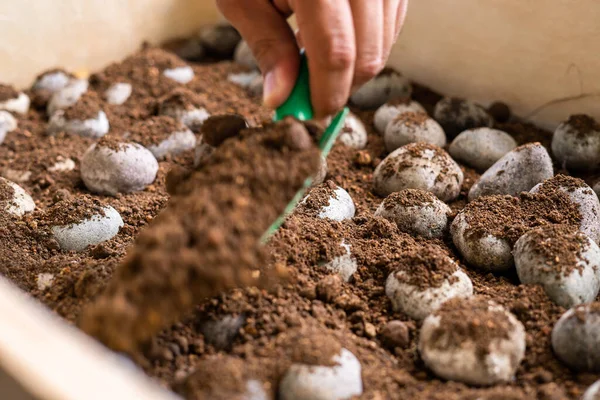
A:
[272,42]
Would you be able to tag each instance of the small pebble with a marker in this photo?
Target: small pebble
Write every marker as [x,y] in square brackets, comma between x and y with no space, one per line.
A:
[51,81]
[108,168]
[576,338]
[14,199]
[182,75]
[44,281]
[576,143]
[118,93]
[419,166]
[480,148]
[19,104]
[474,341]
[67,96]
[91,128]
[316,382]
[582,195]
[413,127]
[593,392]
[8,123]
[457,115]
[395,334]
[390,110]
[221,333]
[243,55]
[220,39]
[62,165]
[330,201]
[517,171]
[419,300]
[91,231]
[416,212]
[345,265]
[354,133]
[386,86]
[563,260]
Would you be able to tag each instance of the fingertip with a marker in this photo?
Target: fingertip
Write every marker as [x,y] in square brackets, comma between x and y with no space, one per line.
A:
[280,80]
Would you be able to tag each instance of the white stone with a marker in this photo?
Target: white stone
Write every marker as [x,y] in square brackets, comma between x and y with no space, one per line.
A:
[193,118]
[19,105]
[96,229]
[576,338]
[44,281]
[310,382]
[588,205]
[118,93]
[182,75]
[243,79]
[243,55]
[593,392]
[576,150]
[21,202]
[418,303]
[432,169]
[581,285]
[67,96]
[429,219]
[457,115]
[340,206]
[345,265]
[480,148]
[463,363]
[402,130]
[354,133]
[91,128]
[106,171]
[62,165]
[381,89]
[8,123]
[176,143]
[517,171]
[389,111]
[16,175]
[52,81]
[255,391]
[488,252]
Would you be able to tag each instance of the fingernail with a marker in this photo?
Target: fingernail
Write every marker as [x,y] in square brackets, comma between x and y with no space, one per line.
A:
[269,88]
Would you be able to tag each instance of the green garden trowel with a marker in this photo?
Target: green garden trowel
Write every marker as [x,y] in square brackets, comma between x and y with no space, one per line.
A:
[298,105]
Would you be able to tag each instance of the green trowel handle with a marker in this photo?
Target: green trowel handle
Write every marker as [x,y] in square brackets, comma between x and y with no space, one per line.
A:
[298,104]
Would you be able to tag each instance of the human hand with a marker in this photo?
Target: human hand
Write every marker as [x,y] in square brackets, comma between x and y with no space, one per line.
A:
[347,42]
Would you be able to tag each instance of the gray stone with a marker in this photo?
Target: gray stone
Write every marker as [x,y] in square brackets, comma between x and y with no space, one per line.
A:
[222,332]
[567,289]
[176,143]
[576,143]
[386,86]
[91,231]
[463,362]
[243,55]
[428,219]
[19,104]
[593,392]
[354,133]
[180,74]
[390,110]
[419,166]
[108,171]
[345,265]
[480,148]
[51,82]
[67,96]
[8,123]
[411,127]
[220,39]
[193,118]
[576,338]
[21,202]
[518,171]
[118,93]
[458,115]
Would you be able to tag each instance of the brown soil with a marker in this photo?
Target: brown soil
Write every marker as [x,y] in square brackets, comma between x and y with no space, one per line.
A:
[357,314]
[218,128]
[181,99]
[7,192]
[154,130]
[7,92]
[412,118]
[583,124]
[111,142]
[318,198]
[87,107]
[427,269]
[409,198]
[561,246]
